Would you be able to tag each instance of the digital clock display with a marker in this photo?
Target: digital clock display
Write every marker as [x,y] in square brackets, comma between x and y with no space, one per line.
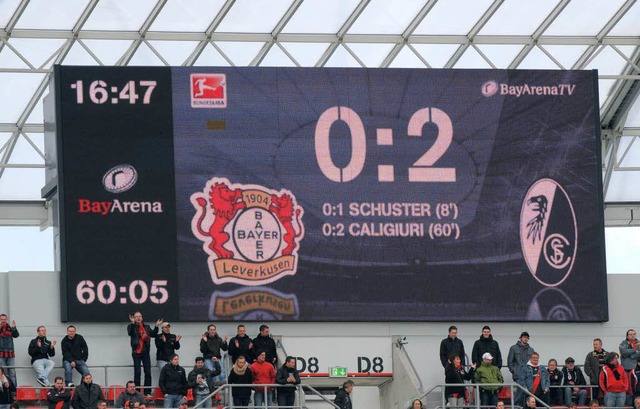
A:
[264,194]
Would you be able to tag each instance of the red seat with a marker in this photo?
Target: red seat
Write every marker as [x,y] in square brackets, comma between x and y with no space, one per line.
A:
[113,391]
[26,393]
[505,394]
[190,397]
[157,394]
[43,393]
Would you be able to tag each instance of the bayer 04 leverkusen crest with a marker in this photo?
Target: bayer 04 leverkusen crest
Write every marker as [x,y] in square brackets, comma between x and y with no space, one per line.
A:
[250,233]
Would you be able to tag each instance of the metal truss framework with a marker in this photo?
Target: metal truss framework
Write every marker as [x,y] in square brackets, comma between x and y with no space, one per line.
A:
[623,86]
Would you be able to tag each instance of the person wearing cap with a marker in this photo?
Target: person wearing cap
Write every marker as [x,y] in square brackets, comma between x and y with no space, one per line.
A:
[556,395]
[593,364]
[485,344]
[572,380]
[488,373]
[613,382]
[629,350]
[455,373]
[166,345]
[451,345]
[535,378]
[519,355]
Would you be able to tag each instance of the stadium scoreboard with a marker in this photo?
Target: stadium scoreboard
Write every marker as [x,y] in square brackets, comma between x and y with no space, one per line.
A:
[327,194]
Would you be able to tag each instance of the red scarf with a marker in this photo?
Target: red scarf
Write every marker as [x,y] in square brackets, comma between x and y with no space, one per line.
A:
[144,337]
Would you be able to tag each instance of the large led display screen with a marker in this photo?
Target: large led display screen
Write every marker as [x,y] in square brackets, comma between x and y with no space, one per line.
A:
[317,194]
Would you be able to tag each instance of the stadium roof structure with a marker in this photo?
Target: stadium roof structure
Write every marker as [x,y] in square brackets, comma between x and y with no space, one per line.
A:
[514,34]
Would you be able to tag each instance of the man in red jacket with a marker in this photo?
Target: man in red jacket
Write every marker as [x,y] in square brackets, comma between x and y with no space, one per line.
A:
[263,372]
[613,382]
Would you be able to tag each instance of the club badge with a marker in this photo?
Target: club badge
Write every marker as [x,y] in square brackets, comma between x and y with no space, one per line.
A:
[251,233]
[548,232]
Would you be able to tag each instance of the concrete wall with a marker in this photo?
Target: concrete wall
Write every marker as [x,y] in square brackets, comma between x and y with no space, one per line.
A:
[32,299]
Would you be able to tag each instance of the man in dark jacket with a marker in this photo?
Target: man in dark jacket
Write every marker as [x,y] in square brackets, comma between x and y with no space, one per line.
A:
[241,344]
[131,398]
[264,342]
[287,375]
[451,346]
[87,394]
[593,364]
[7,389]
[75,353]
[343,396]
[200,377]
[173,383]
[141,334]
[166,345]
[7,351]
[58,397]
[211,346]
[573,379]
[485,344]
[40,349]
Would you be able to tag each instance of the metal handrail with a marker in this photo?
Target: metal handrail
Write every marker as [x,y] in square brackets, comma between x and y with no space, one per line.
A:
[228,390]
[477,386]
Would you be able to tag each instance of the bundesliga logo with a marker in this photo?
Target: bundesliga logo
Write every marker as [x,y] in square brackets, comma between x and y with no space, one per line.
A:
[249,231]
[208,90]
[548,232]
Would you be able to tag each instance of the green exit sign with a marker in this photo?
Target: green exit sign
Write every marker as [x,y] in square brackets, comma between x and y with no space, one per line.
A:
[338,372]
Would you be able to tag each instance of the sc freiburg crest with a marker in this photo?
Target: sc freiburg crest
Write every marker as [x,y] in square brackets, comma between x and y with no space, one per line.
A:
[548,232]
[251,233]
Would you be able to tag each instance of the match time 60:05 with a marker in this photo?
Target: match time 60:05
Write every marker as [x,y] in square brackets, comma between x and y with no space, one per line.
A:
[135,292]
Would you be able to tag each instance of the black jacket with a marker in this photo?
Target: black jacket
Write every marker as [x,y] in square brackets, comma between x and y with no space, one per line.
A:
[44,351]
[574,376]
[343,399]
[245,379]
[74,349]
[241,350]
[173,380]
[281,379]
[484,345]
[212,347]
[456,376]
[139,346]
[6,394]
[450,347]
[206,374]
[87,396]
[167,347]
[266,344]
[7,334]
[58,399]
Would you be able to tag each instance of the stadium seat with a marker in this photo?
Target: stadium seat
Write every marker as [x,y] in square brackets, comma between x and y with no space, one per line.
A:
[26,393]
[505,394]
[190,397]
[43,393]
[157,394]
[113,391]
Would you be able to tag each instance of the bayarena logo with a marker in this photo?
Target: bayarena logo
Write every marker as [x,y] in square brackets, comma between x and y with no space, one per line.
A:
[251,233]
[548,232]
[120,178]
[208,90]
[489,88]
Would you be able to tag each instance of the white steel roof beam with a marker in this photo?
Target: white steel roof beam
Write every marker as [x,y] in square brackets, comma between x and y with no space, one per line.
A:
[275,33]
[341,33]
[195,54]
